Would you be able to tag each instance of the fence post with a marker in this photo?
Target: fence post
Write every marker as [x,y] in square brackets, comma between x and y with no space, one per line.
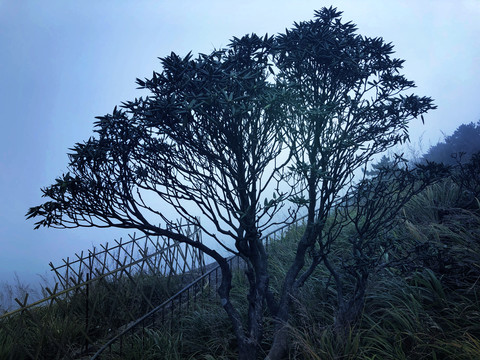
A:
[67,263]
[86,310]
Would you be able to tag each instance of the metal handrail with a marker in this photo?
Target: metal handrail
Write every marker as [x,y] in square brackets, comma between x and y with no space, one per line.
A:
[158,308]
[179,295]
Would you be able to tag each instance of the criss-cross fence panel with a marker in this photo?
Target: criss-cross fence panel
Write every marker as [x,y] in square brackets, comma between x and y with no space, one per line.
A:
[182,301]
[96,293]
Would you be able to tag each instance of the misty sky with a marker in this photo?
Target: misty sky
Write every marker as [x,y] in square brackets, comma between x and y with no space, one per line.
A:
[64,62]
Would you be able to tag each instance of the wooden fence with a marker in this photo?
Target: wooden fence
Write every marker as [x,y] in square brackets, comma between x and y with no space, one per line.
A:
[98,292]
[182,301]
[159,256]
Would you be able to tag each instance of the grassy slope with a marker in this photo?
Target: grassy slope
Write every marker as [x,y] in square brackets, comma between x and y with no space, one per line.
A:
[427,308]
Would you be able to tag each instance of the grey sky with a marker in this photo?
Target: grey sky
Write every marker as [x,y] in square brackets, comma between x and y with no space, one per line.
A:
[64,62]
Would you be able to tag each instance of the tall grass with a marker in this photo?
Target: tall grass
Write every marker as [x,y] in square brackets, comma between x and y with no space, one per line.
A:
[16,289]
[69,323]
[427,307]
[424,305]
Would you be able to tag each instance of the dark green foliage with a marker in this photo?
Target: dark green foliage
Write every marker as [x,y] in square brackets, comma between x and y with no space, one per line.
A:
[460,146]
[306,108]
[384,163]
[467,177]
[59,330]
[422,312]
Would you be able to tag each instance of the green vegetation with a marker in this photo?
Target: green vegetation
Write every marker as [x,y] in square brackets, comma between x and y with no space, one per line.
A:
[266,123]
[63,327]
[422,300]
[424,305]
[460,146]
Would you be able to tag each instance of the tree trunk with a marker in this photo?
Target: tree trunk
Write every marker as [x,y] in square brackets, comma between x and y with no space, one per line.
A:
[247,349]
[279,347]
[349,312]
[278,350]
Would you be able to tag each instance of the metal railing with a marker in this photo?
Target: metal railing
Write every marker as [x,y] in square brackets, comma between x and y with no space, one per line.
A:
[173,306]
[90,289]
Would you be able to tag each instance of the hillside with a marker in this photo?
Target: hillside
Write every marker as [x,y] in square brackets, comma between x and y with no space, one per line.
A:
[422,302]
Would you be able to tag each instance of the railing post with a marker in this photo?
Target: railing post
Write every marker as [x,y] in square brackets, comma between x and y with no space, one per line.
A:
[198,285]
[216,279]
[143,335]
[180,304]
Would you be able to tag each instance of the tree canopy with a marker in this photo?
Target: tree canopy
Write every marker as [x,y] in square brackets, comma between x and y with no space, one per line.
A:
[294,115]
[463,143]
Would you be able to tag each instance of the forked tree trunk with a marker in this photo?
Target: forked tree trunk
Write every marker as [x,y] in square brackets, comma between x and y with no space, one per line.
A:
[350,311]
[249,335]
[279,348]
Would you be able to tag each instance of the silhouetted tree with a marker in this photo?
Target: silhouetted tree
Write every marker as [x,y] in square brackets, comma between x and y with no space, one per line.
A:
[459,146]
[345,104]
[467,176]
[207,139]
[384,163]
[368,213]
[217,132]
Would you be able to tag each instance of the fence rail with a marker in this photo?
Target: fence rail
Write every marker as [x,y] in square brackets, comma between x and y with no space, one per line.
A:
[109,293]
[174,306]
[98,291]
